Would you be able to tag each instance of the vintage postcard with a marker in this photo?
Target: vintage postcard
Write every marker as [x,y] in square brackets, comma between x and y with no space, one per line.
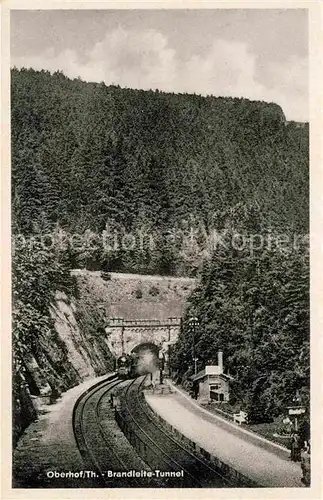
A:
[158,165]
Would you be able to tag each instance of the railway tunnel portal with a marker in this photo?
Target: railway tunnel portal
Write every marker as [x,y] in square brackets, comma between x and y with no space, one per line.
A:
[124,336]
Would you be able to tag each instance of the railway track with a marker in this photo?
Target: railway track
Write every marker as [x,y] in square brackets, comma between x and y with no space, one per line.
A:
[98,452]
[162,451]
[172,465]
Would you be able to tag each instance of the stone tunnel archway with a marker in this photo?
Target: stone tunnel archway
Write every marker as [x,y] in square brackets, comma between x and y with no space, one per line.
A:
[125,335]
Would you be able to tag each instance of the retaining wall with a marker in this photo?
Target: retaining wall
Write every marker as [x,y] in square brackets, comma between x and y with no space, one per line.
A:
[151,455]
[234,476]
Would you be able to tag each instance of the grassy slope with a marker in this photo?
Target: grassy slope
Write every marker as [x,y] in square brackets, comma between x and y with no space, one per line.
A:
[132,296]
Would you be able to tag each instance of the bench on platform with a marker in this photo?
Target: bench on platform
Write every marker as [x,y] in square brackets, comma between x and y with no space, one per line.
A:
[240,417]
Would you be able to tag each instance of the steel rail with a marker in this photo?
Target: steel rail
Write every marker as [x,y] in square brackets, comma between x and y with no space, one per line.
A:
[204,463]
[78,426]
[170,461]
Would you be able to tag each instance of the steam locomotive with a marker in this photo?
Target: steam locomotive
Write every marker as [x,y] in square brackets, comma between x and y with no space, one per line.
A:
[126,366]
[137,363]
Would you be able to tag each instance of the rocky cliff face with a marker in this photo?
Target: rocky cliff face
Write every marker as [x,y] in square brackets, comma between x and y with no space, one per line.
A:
[72,352]
[87,350]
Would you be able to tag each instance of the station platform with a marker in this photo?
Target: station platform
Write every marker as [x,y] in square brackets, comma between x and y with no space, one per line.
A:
[262,461]
[48,444]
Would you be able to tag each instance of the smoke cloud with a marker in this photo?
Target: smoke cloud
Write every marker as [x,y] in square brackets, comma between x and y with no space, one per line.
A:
[147,362]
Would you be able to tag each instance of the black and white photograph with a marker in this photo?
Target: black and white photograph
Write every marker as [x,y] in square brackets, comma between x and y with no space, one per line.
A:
[160,264]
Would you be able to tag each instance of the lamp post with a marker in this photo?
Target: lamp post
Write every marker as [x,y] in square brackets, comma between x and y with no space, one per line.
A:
[194,323]
[195,365]
[122,338]
[161,365]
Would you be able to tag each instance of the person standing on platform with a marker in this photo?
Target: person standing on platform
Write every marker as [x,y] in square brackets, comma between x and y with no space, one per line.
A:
[306,465]
[295,448]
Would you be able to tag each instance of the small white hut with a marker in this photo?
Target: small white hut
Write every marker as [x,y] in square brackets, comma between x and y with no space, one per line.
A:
[214,384]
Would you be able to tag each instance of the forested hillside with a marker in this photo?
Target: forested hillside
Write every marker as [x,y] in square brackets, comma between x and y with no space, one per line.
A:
[90,157]
[159,183]
[254,306]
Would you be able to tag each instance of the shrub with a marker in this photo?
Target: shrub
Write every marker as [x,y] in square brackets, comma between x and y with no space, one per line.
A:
[154,291]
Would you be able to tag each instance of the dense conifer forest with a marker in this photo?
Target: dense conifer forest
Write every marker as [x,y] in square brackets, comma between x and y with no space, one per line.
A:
[254,306]
[174,171]
[85,156]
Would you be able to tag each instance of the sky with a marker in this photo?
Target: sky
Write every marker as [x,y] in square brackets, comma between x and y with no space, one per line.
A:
[259,54]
